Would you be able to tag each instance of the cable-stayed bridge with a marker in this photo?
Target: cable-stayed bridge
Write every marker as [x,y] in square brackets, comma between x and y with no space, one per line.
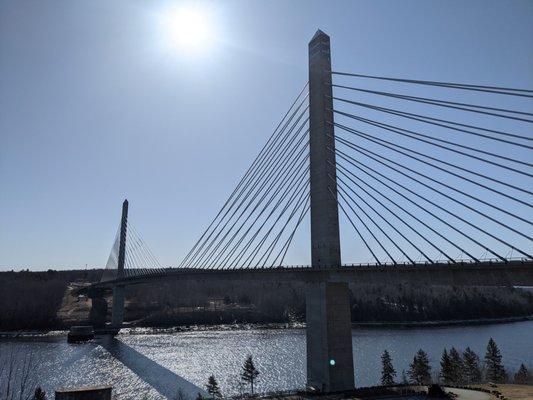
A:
[415,176]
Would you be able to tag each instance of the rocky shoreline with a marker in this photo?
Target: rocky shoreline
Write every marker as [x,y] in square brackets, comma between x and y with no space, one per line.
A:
[137,330]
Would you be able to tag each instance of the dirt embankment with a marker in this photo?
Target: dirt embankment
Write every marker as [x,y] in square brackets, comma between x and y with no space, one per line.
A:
[74,308]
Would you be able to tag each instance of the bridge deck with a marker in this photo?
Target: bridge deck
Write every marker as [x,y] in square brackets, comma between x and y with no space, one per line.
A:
[512,273]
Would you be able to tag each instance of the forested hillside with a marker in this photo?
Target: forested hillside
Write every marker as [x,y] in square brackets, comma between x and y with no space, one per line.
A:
[31,300]
[282,302]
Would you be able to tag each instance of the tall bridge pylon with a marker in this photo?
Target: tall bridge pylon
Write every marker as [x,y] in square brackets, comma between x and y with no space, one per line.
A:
[130,257]
[117,316]
[329,338]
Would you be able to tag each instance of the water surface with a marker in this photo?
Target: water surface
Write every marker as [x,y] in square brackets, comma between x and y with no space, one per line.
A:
[155,365]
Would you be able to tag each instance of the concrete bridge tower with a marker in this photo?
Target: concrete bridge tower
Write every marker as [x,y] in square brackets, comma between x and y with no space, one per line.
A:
[117,314]
[329,339]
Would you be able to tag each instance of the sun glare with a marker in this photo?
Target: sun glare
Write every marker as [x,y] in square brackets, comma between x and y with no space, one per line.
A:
[186,28]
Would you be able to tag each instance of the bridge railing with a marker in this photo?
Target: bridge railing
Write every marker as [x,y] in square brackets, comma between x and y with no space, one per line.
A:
[136,274]
[384,264]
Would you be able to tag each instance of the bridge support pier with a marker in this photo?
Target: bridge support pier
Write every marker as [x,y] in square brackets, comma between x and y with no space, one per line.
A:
[329,337]
[117,312]
[98,313]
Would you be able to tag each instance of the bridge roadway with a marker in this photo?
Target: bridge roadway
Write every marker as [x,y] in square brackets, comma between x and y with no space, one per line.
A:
[486,273]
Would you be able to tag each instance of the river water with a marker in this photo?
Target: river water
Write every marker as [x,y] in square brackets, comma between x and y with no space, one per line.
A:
[155,365]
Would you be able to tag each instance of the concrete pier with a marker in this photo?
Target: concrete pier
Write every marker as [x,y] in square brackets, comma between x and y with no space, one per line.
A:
[117,312]
[329,337]
[80,333]
[98,313]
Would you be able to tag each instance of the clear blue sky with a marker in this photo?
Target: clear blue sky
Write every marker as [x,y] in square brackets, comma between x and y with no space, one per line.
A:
[94,107]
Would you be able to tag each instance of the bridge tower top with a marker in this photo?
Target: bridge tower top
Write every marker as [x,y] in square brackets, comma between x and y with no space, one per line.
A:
[325,242]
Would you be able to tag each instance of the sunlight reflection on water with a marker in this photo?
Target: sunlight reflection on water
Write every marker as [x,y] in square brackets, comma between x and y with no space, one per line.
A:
[152,366]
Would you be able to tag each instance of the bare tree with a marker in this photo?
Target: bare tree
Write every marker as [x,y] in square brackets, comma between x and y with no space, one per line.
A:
[18,375]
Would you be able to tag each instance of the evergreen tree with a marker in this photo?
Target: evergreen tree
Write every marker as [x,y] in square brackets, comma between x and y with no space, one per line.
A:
[420,370]
[523,376]
[39,394]
[493,363]
[199,396]
[249,372]
[472,369]
[387,372]
[212,387]
[471,366]
[458,366]
[446,372]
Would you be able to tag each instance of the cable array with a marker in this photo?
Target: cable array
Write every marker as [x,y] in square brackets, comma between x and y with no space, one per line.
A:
[138,257]
[418,174]
[111,267]
[256,225]
[418,177]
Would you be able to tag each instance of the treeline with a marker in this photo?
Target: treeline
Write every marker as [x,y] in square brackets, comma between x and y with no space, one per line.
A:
[190,302]
[398,303]
[31,300]
[456,369]
[285,302]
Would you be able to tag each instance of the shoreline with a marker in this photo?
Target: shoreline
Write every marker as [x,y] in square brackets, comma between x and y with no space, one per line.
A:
[439,324]
[139,330]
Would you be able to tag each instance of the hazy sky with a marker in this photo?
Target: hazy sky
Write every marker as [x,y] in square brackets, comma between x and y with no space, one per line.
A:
[96,106]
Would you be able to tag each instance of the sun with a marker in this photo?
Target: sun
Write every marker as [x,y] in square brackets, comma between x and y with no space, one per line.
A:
[186,28]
